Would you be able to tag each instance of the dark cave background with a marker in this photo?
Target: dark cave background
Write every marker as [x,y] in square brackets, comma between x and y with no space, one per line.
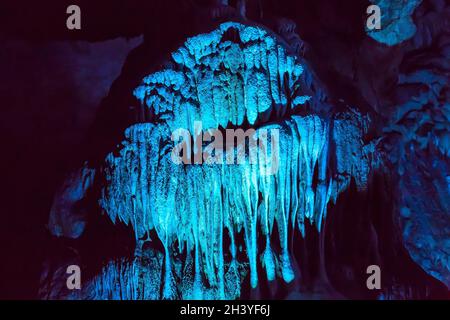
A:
[53,82]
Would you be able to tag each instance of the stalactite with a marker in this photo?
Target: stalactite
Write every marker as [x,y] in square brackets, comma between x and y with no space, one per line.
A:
[229,77]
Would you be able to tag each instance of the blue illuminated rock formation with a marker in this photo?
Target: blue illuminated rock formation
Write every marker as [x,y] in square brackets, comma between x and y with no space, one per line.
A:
[232,74]
[220,80]
[396,21]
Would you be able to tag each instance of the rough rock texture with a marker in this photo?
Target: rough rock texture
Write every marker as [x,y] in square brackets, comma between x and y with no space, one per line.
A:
[232,75]
[418,139]
[67,215]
